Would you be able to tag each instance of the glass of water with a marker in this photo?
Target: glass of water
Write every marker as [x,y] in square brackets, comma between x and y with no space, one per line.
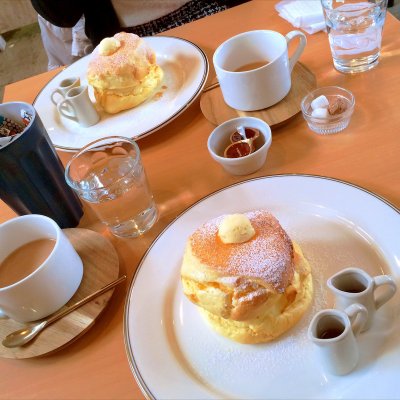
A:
[109,175]
[355,32]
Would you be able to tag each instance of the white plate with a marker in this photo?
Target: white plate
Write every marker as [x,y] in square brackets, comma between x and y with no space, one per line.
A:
[175,355]
[185,69]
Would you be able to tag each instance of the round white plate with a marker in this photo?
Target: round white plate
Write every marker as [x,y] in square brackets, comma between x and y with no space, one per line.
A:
[174,354]
[185,69]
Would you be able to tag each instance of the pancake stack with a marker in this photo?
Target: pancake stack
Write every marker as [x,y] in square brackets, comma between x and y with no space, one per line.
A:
[123,72]
[250,281]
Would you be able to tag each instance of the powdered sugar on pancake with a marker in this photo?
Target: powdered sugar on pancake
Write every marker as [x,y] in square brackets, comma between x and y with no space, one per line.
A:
[267,257]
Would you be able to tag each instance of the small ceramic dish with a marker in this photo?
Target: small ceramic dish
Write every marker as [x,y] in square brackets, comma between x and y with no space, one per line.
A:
[328,117]
[220,139]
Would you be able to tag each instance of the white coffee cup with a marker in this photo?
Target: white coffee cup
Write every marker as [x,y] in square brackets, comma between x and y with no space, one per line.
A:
[334,332]
[52,283]
[262,87]
[63,87]
[80,107]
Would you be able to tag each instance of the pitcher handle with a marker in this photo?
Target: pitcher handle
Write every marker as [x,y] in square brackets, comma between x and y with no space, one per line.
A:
[388,294]
[56,91]
[300,48]
[358,316]
[65,114]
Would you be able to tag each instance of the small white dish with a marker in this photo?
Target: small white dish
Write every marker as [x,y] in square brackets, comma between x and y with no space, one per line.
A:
[219,139]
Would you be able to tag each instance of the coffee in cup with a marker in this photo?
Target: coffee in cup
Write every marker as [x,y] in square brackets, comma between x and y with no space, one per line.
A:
[250,66]
[39,268]
[254,68]
[24,260]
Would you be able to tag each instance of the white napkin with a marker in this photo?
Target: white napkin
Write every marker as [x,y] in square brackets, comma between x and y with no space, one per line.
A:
[303,14]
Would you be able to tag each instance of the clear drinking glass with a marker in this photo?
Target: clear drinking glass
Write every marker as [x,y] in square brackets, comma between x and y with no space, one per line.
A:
[355,32]
[109,175]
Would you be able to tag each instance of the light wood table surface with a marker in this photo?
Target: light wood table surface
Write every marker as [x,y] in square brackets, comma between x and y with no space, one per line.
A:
[180,172]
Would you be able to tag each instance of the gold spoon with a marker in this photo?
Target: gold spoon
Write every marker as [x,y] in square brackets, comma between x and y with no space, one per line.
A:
[210,87]
[24,335]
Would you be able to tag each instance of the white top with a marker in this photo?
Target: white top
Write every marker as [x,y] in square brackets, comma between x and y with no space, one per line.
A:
[137,12]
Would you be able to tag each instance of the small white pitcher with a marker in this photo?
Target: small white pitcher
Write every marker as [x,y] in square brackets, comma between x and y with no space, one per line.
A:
[354,285]
[83,111]
[333,333]
[63,87]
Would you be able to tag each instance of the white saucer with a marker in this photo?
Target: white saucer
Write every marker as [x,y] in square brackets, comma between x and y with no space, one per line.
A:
[100,267]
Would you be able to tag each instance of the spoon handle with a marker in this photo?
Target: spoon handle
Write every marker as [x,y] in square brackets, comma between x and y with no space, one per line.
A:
[210,87]
[85,300]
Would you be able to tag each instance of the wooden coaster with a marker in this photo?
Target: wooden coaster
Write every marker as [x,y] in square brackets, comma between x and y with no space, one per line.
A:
[100,267]
[215,109]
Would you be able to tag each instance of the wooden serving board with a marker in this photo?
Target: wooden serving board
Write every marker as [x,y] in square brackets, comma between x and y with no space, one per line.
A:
[215,109]
[100,267]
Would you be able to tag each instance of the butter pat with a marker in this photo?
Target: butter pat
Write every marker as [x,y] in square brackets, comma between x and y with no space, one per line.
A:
[235,228]
[109,46]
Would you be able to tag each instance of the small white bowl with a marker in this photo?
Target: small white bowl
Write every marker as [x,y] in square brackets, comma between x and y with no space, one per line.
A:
[219,139]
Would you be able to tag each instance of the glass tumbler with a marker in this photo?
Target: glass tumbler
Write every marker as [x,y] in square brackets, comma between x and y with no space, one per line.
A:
[355,32]
[109,175]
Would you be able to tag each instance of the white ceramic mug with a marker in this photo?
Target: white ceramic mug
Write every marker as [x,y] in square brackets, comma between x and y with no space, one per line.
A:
[52,283]
[63,87]
[80,107]
[354,285]
[262,87]
[334,332]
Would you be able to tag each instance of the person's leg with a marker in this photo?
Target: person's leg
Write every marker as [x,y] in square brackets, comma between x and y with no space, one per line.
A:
[57,43]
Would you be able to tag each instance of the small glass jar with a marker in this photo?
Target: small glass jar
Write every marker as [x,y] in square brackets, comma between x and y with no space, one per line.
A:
[331,123]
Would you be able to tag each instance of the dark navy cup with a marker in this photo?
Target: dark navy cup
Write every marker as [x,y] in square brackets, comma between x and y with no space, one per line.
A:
[31,174]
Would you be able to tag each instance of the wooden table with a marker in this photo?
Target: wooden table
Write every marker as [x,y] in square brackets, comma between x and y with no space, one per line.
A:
[181,172]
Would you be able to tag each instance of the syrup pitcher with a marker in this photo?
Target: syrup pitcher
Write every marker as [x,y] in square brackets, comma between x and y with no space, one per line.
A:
[78,107]
[354,285]
[333,332]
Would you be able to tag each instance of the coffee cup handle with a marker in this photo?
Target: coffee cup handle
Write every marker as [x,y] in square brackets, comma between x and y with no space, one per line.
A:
[300,47]
[65,114]
[358,316]
[52,96]
[382,280]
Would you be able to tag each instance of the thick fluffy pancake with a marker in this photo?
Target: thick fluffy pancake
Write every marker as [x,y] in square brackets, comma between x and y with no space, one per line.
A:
[125,77]
[235,280]
[252,291]
[280,314]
